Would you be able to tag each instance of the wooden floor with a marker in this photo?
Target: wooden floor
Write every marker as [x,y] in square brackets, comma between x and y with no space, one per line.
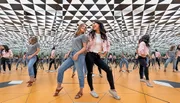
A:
[128,86]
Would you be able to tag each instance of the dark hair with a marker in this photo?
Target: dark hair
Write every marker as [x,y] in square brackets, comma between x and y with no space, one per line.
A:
[155,49]
[6,48]
[153,52]
[102,31]
[145,39]
[178,48]
[53,48]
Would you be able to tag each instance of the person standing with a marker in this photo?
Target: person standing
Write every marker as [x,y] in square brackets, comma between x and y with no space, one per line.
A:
[178,56]
[76,57]
[158,57]
[33,50]
[52,59]
[171,55]
[123,61]
[7,54]
[98,46]
[143,52]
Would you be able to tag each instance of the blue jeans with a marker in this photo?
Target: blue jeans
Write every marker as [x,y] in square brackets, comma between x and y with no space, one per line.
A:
[30,65]
[70,62]
[171,59]
[84,68]
[122,61]
[18,62]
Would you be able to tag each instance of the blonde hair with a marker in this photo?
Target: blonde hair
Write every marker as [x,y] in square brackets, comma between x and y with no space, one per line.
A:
[79,29]
[34,40]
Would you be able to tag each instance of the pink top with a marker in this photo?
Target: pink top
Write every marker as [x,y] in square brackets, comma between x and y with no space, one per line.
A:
[143,49]
[178,53]
[91,43]
[52,53]
[158,54]
[7,54]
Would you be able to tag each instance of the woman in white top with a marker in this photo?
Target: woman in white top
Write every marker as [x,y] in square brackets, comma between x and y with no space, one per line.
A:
[178,56]
[52,59]
[6,55]
[153,59]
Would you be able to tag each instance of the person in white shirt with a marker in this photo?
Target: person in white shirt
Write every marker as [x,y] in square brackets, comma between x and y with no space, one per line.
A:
[52,59]
[6,55]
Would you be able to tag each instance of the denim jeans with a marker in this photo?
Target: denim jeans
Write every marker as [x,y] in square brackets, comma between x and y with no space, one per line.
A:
[18,62]
[171,59]
[84,68]
[123,60]
[31,65]
[70,62]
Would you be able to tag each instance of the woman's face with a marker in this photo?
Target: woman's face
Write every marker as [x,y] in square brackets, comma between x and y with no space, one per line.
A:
[95,26]
[30,40]
[83,29]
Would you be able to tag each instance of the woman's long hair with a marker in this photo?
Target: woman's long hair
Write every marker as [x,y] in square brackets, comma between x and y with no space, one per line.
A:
[6,48]
[145,39]
[78,32]
[178,47]
[101,29]
[34,40]
[172,48]
[53,48]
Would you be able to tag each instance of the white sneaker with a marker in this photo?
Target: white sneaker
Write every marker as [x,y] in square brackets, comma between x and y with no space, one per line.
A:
[114,94]
[93,75]
[94,94]
[142,80]
[149,84]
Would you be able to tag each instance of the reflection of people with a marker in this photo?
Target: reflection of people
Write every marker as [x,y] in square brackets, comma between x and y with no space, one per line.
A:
[171,54]
[6,56]
[52,59]
[98,46]
[143,52]
[123,61]
[77,58]
[1,48]
[158,56]
[33,50]
[178,56]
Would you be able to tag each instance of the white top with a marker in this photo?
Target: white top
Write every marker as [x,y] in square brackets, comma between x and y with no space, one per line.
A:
[53,54]
[98,47]
[8,54]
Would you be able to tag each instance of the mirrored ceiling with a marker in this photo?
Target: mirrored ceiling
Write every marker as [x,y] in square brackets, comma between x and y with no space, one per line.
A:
[55,21]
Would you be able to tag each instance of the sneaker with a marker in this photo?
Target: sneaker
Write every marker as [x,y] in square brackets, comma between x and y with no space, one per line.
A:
[100,75]
[94,94]
[142,80]
[93,75]
[149,84]
[114,94]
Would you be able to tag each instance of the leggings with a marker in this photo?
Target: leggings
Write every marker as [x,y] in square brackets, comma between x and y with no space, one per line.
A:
[143,67]
[178,59]
[51,62]
[158,61]
[5,61]
[93,58]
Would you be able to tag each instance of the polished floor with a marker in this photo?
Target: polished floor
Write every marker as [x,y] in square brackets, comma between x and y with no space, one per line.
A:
[128,86]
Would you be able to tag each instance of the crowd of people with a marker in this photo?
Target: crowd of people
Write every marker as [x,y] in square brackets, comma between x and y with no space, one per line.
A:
[87,51]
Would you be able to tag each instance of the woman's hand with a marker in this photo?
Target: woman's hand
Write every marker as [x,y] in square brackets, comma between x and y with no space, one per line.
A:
[75,57]
[30,56]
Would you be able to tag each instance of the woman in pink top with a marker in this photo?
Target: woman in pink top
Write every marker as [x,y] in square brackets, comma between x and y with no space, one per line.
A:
[98,46]
[52,59]
[6,55]
[143,52]
[178,56]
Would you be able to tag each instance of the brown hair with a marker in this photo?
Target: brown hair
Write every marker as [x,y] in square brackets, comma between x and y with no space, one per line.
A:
[172,48]
[34,40]
[79,29]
